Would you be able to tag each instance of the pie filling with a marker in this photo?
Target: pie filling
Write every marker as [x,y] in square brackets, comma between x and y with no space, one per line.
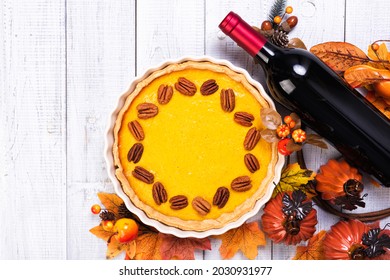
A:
[188,146]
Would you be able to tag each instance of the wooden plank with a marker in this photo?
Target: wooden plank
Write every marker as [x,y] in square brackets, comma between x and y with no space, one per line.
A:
[168,30]
[32,120]
[101,64]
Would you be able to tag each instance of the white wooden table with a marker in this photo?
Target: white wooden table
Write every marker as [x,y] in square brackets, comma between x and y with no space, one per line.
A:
[63,64]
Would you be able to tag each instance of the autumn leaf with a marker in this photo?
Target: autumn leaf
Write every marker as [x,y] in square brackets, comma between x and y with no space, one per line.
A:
[294,178]
[314,249]
[173,247]
[148,246]
[110,201]
[114,248]
[382,55]
[362,75]
[100,232]
[339,56]
[245,238]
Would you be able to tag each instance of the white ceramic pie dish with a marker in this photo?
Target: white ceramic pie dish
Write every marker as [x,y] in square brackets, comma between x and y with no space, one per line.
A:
[109,158]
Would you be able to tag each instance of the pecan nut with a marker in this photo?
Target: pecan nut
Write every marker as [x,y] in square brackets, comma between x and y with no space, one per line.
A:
[143,175]
[221,197]
[135,153]
[251,163]
[185,86]
[228,101]
[178,202]
[159,193]
[241,184]
[251,139]
[136,130]
[164,94]
[209,87]
[147,110]
[244,118]
[201,205]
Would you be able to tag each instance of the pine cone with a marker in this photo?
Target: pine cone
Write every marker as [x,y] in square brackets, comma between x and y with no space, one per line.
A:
[123,212]
[280,39]
[106,215]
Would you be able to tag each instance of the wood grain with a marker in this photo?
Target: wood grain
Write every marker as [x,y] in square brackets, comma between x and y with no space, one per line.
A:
[33,137]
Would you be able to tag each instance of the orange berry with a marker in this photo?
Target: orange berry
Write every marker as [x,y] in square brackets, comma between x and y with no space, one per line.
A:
[283,130]
[287,119]
[96,209]
[289,10]
[107,225]
[277,19]
[375,46]
[292,124]
[127,230]
[299,135]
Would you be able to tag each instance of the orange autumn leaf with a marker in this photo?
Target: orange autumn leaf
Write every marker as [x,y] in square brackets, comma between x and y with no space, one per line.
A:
[110,201]
[339,56]
[362,75]
[114,248]
[314,249]
[245,238]
[182,248]
[100,232]
[148,246]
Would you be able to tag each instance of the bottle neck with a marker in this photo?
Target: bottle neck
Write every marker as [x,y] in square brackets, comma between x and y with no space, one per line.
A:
[243,34]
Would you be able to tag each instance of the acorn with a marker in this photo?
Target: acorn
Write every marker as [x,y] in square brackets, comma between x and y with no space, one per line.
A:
[292,21]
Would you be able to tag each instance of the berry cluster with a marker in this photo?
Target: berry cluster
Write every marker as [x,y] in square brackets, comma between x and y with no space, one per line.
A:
[290,134]
[277,30]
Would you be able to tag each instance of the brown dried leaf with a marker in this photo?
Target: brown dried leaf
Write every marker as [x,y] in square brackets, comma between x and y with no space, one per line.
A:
[270,118]
[173,247]
[362,75]
[100,232]
[339,55]
[114,248]
[269,135]
[148,246]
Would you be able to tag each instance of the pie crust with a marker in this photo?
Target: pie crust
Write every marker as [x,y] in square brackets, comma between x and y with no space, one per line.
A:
[140,193]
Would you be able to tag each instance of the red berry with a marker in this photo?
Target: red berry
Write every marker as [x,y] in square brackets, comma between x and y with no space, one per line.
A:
[282,147]
[96,209]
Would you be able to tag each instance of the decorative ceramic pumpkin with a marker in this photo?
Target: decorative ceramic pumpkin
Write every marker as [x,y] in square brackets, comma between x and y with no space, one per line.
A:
[289,218]
[340,183]
[344,241]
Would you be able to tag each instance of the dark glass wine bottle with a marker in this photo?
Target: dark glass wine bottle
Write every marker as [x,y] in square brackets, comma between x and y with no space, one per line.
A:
[301,82]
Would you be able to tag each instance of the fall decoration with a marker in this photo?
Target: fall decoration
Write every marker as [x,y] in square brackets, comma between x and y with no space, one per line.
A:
[314,249]
[289,218]
[355,240]
[275,29]
[245,238]
[340,183]
[288,132]
[371,71]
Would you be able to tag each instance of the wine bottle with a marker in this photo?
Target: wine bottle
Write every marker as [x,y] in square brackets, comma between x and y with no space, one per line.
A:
[304,84]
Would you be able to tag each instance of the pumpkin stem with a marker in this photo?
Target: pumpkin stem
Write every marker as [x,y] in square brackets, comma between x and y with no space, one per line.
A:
[292,225]
[357,252]
[353,187]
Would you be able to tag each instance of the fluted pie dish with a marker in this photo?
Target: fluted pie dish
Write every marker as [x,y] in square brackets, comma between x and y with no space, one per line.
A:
[184,149]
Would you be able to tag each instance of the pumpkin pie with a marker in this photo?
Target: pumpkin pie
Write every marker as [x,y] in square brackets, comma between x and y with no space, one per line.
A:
[187,146]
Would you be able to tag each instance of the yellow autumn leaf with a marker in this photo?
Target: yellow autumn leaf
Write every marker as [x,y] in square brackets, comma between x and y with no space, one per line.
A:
[314,249]
[245,238]
[295,178]
[114,248]
[381,54]
[100,232]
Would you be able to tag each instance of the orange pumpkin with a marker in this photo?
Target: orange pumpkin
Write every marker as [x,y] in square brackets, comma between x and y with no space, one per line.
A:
[344,241]
[338,178]
[283,228]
